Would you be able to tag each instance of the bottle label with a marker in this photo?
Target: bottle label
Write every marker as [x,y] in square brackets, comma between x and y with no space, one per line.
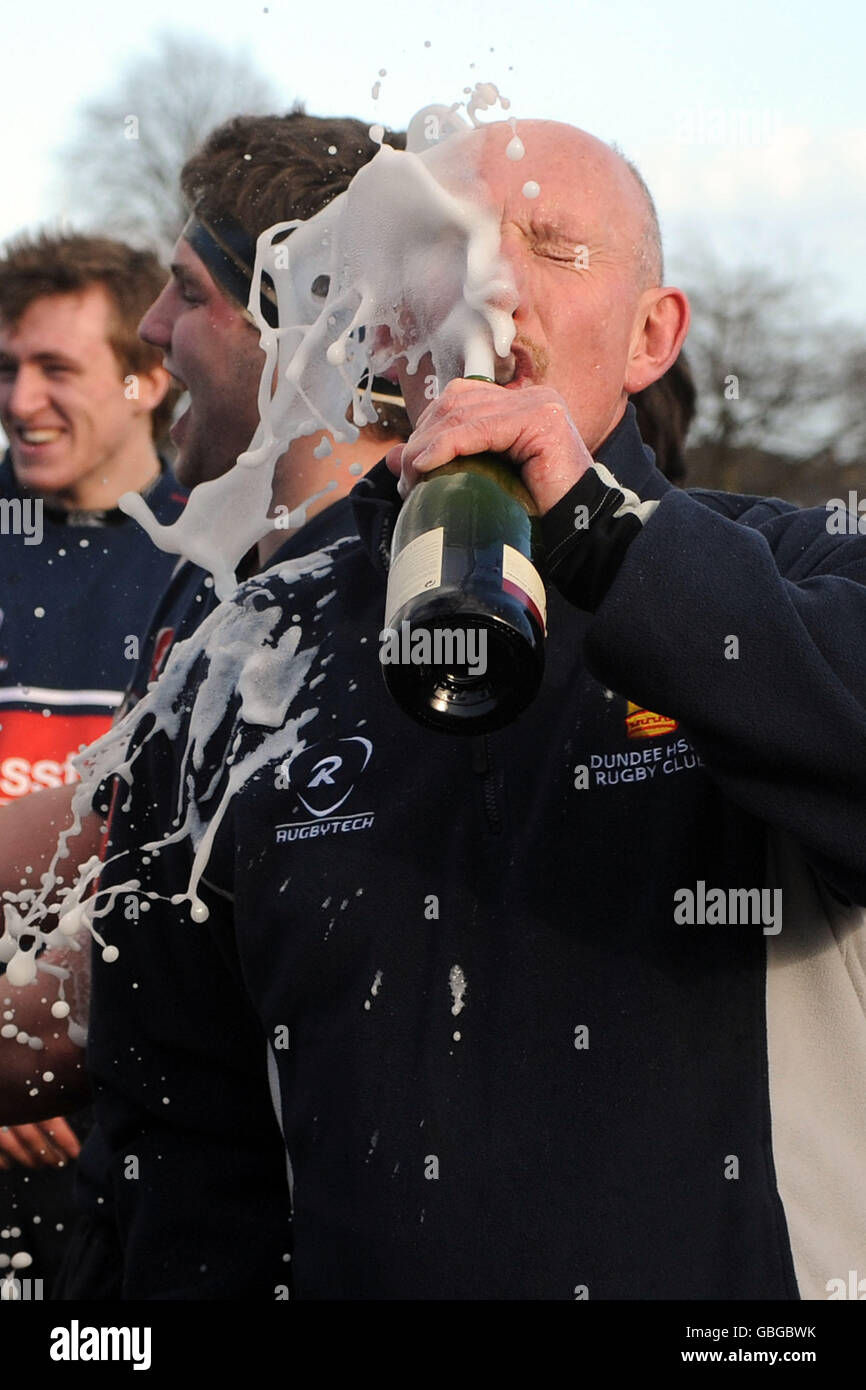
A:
[521,578]
[417,568]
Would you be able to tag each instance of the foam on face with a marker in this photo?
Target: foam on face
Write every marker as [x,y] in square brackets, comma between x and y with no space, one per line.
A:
[397,237]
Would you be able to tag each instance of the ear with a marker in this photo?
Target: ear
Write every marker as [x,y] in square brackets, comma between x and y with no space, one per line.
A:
[151,388]
[661,324]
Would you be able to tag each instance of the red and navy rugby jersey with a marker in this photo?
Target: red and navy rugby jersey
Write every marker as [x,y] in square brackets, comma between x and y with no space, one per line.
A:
[76,592]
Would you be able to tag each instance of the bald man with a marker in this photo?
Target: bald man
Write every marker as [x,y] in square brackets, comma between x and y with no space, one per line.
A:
[552,1013]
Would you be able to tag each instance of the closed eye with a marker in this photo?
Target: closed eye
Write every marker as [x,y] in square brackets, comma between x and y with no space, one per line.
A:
[186,287]
[564,255]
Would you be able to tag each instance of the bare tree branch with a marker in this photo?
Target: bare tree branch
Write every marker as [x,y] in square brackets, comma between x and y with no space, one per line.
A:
[120,171]
[771,372]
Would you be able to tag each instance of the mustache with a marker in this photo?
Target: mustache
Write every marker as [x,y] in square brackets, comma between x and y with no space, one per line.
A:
[531,359]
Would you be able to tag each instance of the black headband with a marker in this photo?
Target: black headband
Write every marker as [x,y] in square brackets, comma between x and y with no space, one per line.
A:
[229,253]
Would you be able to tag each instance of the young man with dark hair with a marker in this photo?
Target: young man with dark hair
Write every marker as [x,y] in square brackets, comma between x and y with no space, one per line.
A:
[200,321]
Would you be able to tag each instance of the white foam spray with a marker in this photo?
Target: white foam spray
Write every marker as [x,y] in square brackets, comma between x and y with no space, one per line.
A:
[244,650]
[458,986]
[398,237]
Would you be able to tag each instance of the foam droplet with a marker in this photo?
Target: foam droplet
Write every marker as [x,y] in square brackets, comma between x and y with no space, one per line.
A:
[377,134]
[531,189]
[47,1076]
[457,984]
[515,148]
[21,1259]
[71,922]
[199,912]
[110,954]
[60,1008]
[21,969]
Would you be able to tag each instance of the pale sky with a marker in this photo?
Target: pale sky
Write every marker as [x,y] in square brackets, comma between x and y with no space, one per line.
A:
[747,118]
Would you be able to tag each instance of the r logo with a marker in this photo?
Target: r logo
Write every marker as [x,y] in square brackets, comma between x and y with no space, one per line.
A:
[323,769]
[322,779]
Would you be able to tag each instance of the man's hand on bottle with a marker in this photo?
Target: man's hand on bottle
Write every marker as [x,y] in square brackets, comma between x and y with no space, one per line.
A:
[531,425]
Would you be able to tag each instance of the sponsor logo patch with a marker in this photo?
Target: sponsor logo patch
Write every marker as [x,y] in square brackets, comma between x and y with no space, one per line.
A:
[323,779]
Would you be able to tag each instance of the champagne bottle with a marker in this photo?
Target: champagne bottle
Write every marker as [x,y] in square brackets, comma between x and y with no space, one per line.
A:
[465,616]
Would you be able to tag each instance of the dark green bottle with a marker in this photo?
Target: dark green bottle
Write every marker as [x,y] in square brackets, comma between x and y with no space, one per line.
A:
[462,650]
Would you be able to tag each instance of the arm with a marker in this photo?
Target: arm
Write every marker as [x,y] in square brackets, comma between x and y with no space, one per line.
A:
[778,714]
[781,726]
[29,830]
[25,1096]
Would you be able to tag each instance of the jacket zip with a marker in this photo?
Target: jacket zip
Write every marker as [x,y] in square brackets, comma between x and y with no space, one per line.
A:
[482,764]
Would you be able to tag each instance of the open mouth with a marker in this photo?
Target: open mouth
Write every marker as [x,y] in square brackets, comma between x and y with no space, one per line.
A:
[390,374]
[181,413]
[505,369]
[38,438]
[515,370]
